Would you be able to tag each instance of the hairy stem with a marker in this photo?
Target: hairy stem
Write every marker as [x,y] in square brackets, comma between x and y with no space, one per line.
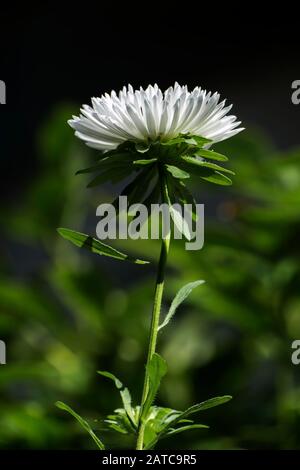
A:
[159,288]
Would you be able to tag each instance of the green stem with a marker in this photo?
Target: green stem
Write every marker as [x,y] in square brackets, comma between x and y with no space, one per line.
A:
[159,288]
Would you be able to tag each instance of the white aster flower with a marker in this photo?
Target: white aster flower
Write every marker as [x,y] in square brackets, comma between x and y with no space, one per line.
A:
[143,115]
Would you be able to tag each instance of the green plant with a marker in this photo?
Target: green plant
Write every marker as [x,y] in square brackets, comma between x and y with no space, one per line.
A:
[160,162]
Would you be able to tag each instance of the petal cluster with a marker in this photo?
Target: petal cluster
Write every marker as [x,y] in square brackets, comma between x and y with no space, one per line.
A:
[150,114]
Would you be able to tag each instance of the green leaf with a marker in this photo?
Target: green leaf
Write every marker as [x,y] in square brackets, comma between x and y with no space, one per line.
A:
[142,147]
[205,405]
[176,210]
[218,178]
[156,370]
[176,172]
[119,159]
[175,141]
[145,161]
[153,196]
[137,190]
[124,392]
[179,220]
[95,246]
[189,139]
[205,170]
[181,295]
[186,428]
[112,377]
[120,418]
[185,197]
[82,422]
[114,175]
[212,402]
[205,164]
[126,399]
[149,434]
[196,140]
[211,155]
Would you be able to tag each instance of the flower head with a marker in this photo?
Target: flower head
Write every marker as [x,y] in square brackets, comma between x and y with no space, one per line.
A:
[151,115]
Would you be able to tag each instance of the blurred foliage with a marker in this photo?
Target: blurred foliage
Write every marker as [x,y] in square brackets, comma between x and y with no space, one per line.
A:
[65,314]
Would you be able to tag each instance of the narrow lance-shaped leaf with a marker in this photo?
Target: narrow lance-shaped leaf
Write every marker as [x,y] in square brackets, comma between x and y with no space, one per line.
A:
[136,190]
[82,422]
[212,402]
[113,161]
[185,197]
[181,295]
[185,428]
[112,377]
[205,170]
[177,211]
[114,174]
[205,405]
[177,172]
[124,392]
[197,140]
[156,370]
[142,147]
[95,246]
[205,164]
[211,155]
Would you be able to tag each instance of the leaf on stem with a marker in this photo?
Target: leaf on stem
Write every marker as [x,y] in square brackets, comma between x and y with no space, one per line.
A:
[204,164]
[156,370]
[123,159]
[178,417]
[185,198]
[142,147]
[176,172]
[82,422]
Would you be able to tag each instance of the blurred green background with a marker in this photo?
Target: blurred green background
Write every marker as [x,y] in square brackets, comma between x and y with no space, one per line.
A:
[64,313]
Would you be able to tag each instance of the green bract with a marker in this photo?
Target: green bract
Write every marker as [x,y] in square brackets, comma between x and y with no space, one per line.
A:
[181,157]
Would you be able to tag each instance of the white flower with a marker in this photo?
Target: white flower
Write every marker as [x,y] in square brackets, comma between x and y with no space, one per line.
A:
[140,115]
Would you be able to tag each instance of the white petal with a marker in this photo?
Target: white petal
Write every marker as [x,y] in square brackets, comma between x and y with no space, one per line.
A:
[148,114]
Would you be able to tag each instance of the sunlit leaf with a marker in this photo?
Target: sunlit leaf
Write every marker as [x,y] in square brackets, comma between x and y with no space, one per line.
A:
[204,164]
[204,405]
[124,392]
[156,370]
[176,172]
